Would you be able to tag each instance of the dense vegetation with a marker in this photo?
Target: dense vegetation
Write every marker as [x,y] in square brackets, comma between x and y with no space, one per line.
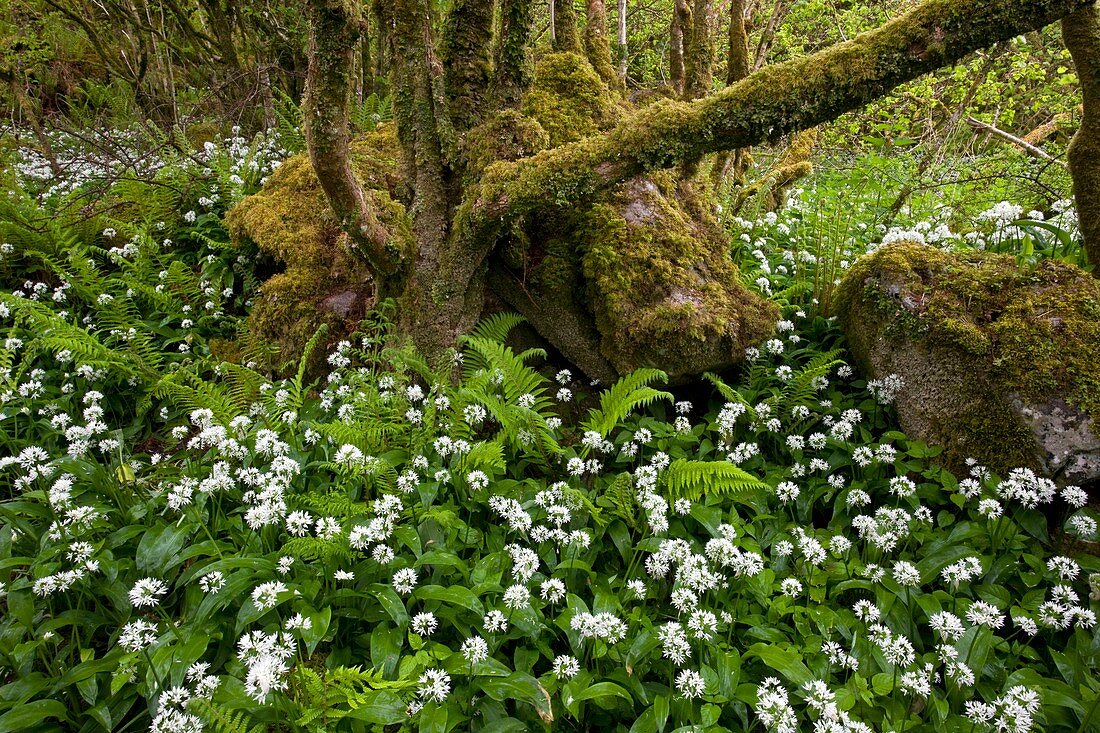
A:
[197,535]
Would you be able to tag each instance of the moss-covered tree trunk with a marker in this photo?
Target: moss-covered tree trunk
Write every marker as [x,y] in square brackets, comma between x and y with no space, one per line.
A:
[1081,32]
[597,45]
[563,163]
[681,19]
[566,37]
[699,51]
[734,165]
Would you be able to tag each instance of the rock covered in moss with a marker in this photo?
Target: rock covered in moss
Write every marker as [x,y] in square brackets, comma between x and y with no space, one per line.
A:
[999,360]
[663,287]
[641,278]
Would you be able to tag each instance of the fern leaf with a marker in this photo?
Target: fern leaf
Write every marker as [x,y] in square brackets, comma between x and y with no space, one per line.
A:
[694,480]
[626,395]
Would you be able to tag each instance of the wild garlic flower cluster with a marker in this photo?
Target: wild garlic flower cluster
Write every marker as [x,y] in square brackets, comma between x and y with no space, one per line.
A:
[473,529]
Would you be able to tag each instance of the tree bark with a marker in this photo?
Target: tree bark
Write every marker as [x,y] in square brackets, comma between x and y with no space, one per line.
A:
[735,164]
[699,51]
[513,67]
[1081,32]
[566,38]
[779,12]
[623,59]
[737,66]
[681,20]
[466,53]
[334,35]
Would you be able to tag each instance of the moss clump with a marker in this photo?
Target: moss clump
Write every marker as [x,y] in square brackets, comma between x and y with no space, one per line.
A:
[507,135]
[322,281]
[976,336]
[569,99]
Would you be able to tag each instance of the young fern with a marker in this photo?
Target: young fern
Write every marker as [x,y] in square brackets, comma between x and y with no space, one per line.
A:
[497,326]
[731,394]
[620,500]
[513,393]
[184,388]
[323,701]
[485,456]
[217,719]
[800,389]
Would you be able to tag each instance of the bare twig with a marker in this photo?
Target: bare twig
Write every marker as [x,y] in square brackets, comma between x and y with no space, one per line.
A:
[1033,151]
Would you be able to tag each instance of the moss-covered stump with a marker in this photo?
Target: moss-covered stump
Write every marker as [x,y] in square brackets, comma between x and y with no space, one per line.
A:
[322,282]
[999,360]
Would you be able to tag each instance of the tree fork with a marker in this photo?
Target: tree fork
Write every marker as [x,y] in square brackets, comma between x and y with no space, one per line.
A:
[1081,33]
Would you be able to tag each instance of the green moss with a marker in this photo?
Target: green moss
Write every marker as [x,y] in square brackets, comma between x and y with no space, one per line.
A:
[568,99]
[507,135]
[291,221]
[662,286]
[1003,329]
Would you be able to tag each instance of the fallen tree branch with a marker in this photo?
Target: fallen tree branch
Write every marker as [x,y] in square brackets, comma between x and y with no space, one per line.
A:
[1032,150]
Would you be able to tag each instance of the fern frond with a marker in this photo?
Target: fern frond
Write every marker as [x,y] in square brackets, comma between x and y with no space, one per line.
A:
[485,456]
[619,498]
[800,389]
[731,394]
[220,720]
[497,326]
[625,396]
[187,390]
[694,480]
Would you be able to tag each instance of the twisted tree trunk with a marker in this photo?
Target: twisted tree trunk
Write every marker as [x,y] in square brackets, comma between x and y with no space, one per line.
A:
[461,217]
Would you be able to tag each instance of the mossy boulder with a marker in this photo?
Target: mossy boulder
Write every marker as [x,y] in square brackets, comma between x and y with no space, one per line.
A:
[322,281]
[999,359]
[641,278]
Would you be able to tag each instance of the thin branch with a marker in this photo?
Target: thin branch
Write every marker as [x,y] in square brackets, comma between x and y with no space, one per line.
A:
[1033,151]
